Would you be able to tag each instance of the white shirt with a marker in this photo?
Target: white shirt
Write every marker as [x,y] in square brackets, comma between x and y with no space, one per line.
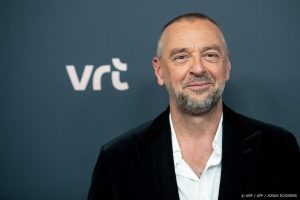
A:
[190,186]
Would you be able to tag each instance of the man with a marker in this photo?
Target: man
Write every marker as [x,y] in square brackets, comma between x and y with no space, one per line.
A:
[198,148]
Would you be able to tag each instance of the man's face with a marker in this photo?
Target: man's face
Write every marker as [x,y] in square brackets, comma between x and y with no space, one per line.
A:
[193,65]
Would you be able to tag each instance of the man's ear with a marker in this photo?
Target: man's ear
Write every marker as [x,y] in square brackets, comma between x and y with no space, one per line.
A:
[228,68]
[156,63]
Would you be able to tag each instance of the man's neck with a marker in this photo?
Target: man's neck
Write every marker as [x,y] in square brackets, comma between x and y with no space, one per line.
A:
[195,135]
[196,126]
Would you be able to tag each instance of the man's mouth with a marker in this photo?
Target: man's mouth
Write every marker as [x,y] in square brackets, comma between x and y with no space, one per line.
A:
[200,85]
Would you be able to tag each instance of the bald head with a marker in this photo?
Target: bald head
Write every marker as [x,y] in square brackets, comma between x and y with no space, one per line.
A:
[190,17]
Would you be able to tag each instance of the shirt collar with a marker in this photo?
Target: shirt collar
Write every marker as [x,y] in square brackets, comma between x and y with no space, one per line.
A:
[216,144]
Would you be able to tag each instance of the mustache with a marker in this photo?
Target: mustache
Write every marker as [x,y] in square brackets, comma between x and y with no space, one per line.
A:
[195,78]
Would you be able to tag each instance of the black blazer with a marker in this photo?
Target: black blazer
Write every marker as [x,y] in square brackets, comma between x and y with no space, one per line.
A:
[257,158]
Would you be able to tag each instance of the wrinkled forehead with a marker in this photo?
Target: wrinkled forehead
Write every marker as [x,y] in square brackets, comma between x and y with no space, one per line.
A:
[195,32]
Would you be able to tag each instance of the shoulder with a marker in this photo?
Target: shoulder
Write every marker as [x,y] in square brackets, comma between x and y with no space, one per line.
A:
[138,136]
[250,126]
[127,139]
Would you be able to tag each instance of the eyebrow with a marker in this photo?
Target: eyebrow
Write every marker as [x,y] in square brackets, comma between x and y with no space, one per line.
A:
[212,47]
[183,50]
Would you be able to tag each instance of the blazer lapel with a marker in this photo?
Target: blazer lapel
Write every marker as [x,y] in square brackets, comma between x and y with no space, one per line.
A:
[240,147]
[157,159]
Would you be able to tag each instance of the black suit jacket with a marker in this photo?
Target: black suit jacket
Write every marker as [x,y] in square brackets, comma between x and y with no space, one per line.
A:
[257,158]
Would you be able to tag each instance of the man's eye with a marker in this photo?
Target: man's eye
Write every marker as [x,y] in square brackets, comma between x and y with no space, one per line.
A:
[180,58]
[212,57]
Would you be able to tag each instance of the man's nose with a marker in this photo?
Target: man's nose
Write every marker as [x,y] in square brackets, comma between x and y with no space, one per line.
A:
[197,66]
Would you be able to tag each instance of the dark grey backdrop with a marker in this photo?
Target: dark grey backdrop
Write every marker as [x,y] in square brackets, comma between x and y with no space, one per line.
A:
[50,135]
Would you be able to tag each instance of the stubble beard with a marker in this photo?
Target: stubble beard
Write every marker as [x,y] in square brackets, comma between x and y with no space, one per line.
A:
[193,106]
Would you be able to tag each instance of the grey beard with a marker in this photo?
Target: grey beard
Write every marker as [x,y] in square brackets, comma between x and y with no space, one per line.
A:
[195,107]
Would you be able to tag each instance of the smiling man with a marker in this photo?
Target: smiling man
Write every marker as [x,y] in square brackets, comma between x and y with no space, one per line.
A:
[198,148]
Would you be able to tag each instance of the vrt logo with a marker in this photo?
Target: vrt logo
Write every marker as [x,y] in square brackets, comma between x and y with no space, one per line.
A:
[80,85]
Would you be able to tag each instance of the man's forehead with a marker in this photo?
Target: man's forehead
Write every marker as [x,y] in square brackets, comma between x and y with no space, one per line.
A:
[190,33]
